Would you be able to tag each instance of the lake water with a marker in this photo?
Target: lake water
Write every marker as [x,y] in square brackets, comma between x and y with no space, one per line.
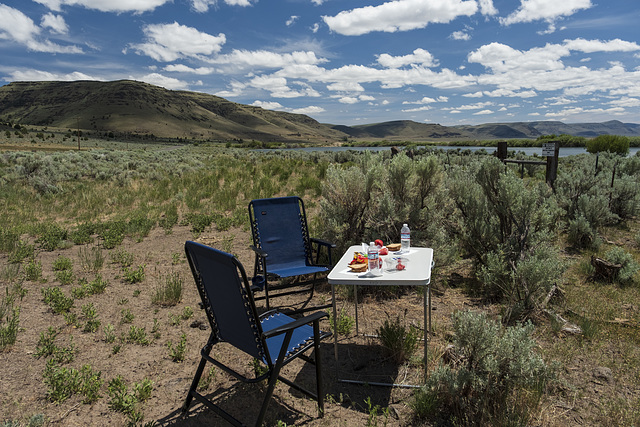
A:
[529,151]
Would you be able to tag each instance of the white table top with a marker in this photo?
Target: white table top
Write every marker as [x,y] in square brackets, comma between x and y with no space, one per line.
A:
[417,272]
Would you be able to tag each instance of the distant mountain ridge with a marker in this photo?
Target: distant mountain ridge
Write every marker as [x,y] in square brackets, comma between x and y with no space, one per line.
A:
[133,107]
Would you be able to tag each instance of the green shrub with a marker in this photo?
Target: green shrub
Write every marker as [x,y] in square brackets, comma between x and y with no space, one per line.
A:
[65,277]
[51,236]
[91,316]
[499,380]
[626,275]
[62,263]
[400,341]
[83,233]
[20,252]
[138,335]
[169,219]
[55,299]
[177,352]
[122,257]
[581,235]
[344,322]
[33,270]
[64,382]
[9,324]
[91,259]
[169,292]
[611,143]
[125,401]
[131,275]
[9,238]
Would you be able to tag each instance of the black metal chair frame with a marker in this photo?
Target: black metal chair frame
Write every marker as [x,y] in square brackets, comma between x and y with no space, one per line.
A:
[262,337]
[275,285]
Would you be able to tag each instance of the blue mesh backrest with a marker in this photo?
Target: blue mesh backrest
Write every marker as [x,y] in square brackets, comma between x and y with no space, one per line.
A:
[280,230]
[225,293]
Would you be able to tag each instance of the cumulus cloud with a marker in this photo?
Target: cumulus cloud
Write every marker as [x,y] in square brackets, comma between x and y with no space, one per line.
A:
[460,35]
[137,6]
[202,6]
[292,20]
[418,57]
[311,109]
[279,87]
[267,105]
[55,23]
[487,8]
[38,75]
[181,68]
[17,27]
[399,15]
[168,42]
[266,59]
[346,87]
[162,81]
[546,10]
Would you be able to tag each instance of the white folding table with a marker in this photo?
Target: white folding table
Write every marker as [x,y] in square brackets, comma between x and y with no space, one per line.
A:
[416,273]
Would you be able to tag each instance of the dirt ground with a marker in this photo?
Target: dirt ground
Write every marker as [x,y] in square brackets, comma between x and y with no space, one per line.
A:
[23,393]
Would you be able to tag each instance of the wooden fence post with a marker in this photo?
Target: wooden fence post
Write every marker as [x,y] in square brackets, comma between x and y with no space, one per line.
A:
[501,153]
[552,148]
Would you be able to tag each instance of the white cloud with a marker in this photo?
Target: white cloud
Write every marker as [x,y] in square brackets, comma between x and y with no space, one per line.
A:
[180,68]
[399,15]
[483,113]
[266,59]
[487,7]
[547,10]
[55,22]
[17,27]
[418,109]
[315,27]
[460,35]
[162,81]
[418,57]
[137,6]
[591,46]
[267,105]
[312,109]
[291,20]
[346,87]
[625,102]
[279,87]
[348,100]
[168,42]
[38,75]
[317,2]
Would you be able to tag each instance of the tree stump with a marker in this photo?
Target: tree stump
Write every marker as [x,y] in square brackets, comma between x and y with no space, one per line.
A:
[604,269]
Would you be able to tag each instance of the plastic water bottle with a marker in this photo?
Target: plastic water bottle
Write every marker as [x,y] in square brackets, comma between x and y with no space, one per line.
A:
[374,259]
[405,238]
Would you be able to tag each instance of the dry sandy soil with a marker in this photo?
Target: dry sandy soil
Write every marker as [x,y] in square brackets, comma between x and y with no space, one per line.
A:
[23,393]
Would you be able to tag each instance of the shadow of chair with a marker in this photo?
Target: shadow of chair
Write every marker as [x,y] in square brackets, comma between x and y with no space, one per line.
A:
[284,252]
[272,338]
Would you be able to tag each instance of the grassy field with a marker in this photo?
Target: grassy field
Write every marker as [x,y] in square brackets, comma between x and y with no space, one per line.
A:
[95,331]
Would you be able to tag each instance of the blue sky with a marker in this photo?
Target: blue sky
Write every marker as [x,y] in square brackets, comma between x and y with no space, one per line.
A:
[347,61]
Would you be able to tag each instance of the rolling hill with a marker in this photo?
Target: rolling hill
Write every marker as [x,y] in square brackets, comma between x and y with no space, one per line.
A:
[132,107]
[141,108]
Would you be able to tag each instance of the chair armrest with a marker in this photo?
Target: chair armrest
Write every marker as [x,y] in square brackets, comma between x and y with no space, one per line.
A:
[326,244]
[258,251]
[314,317]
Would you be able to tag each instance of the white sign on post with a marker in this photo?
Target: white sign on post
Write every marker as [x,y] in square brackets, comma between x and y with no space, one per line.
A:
[549,149]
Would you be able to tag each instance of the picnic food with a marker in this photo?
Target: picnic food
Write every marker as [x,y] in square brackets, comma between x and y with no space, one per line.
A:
[393,247]
[359,258]
[378,242]
[358,267]
[383,251]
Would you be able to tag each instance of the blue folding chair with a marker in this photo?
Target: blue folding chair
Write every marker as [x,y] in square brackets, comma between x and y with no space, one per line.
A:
[284,250]
[273,338]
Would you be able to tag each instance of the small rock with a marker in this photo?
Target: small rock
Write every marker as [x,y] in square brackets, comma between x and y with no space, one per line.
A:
[603,373]
[199,324]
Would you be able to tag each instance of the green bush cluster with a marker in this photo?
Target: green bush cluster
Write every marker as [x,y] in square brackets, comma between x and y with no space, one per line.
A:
[611,143]
[499,379]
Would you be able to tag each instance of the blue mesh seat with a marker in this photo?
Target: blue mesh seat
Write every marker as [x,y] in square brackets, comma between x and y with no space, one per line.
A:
[284,249]
[272,338]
